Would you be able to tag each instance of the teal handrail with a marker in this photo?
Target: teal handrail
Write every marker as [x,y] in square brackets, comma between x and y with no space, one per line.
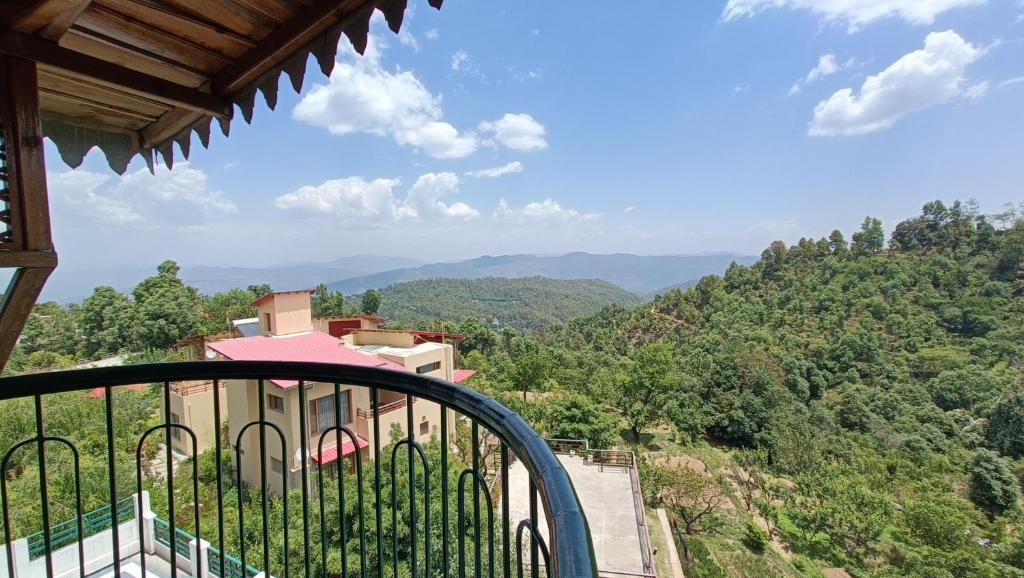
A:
[93,523]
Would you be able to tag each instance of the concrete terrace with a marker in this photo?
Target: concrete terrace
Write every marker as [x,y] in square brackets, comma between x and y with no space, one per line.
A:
[607,498]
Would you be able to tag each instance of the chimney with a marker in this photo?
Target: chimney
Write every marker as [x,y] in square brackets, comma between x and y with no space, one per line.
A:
[285,312]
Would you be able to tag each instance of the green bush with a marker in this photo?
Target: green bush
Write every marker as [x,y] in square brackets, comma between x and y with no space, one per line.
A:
[755,538]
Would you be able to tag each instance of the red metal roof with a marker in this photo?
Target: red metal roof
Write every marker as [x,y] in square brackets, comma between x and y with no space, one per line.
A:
[331,454]
[99,392]
[259,300]
[315,346]
[460,375]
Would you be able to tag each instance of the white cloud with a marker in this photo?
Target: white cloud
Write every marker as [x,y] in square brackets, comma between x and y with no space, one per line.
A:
[495,172]
[231,165]
[784,228]
[629,209]
[459,58]
[540,212]
[517,131]
[408,39]
[139,199]
[918,80]
[854,13]
[424,197]
[740,89]
[362,97]
[1010,81]
[358,202]
[432,34]
[827,66]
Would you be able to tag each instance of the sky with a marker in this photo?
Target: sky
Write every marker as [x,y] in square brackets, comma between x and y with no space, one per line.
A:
[649,127]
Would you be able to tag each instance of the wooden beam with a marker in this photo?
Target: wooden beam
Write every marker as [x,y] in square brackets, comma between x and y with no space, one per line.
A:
[78,64]
[23,134]
[16,305]
[57,27]
[31,15]
[44,259]
[283,42]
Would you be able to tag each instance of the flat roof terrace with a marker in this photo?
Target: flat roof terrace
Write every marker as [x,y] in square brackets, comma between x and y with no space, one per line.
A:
[609,503]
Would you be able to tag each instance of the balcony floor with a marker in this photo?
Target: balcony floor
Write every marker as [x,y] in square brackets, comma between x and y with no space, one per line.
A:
[156,567]
[607,499]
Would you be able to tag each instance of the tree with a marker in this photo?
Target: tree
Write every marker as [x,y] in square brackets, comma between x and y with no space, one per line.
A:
[168,310]
[259,290]
[479,336]
[575,416]
[371,301]
[108,322]
[652,377]
[693,496]
[327,303]
[870,239]
[222,308]
[994,488]
[1005,430]
[52,328]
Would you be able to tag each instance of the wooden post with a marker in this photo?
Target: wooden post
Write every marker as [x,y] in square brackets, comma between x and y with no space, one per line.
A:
[30,247]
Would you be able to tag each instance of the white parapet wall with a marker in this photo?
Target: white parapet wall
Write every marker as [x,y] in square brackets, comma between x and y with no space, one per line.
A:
[98,550]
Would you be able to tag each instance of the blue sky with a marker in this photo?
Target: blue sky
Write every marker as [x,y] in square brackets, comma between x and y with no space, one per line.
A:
[653,127]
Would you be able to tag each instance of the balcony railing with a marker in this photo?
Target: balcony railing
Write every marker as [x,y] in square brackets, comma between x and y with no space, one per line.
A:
[400,508]
[383,409]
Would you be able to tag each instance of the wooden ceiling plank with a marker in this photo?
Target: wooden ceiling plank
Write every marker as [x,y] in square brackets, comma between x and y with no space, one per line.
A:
[56,81]
[243,21]
[78,100]
[277,11]
[77,64]
[142,35]
[199,31]
[283,42]
[171,123]
[59,26]
[31,15]
[128,56]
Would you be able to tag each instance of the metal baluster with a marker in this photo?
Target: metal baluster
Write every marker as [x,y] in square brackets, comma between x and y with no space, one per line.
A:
[263,476]
[412,488]
[304,441]
[115,535]
[220,483]
[534,568]
[375,403]
[341,479]
[170,479]
[444,491]
[43,491]
[506,529]
[477,532]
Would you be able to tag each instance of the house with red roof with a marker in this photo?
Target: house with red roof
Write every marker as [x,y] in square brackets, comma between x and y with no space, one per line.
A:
[284,330]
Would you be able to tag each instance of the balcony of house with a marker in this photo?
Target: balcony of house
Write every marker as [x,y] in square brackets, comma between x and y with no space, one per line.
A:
[412,503]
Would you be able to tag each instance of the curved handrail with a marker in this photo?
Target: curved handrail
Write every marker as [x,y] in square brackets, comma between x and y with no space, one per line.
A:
[572,553]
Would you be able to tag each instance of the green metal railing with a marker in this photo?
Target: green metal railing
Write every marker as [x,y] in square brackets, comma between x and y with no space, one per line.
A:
[66,532]
[162,533]
[232,565]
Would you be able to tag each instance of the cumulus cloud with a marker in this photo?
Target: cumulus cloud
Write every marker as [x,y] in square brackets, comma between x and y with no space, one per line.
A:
[357,202]
[495,172]
[854,13]
[629,209]
[363,97]
[517,131]
[827,66]
[139,199]
[540,212]
[918,80]
[432,34]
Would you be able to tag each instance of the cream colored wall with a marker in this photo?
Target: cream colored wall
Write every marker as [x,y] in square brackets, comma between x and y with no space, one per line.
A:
[394,339]
[289,313]
[196,412]
[242,409]
[411,362]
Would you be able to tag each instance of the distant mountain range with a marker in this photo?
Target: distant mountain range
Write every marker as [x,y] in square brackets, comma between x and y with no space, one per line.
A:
[644,275]
[636,273]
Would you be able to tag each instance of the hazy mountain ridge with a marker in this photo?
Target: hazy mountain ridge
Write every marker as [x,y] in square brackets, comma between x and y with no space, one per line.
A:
[634,273]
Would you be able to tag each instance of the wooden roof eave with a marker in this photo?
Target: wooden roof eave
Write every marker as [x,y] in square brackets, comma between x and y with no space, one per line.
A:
[131,70]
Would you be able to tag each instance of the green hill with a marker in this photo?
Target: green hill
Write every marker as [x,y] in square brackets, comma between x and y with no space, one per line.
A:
[527,303]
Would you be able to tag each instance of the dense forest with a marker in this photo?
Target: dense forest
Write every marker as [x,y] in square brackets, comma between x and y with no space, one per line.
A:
[526,304]
[858,404]
[841,403]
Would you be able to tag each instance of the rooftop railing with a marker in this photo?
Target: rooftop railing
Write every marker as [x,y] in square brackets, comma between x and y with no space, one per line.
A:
[399,508]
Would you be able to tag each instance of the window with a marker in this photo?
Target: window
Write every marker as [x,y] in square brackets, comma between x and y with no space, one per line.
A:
[276,466]
[429,367]
[321,412]
[424,428]
[175,432]
[275,402]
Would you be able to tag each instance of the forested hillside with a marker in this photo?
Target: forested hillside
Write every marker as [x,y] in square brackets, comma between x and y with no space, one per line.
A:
[527,304]
[861,404]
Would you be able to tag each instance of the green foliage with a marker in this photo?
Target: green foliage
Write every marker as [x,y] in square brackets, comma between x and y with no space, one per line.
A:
[755,537]
[1006,426]
[651,379]
[371,301]
[167,309]
[575,416]
[327,303]
[526,304]
[994,488]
